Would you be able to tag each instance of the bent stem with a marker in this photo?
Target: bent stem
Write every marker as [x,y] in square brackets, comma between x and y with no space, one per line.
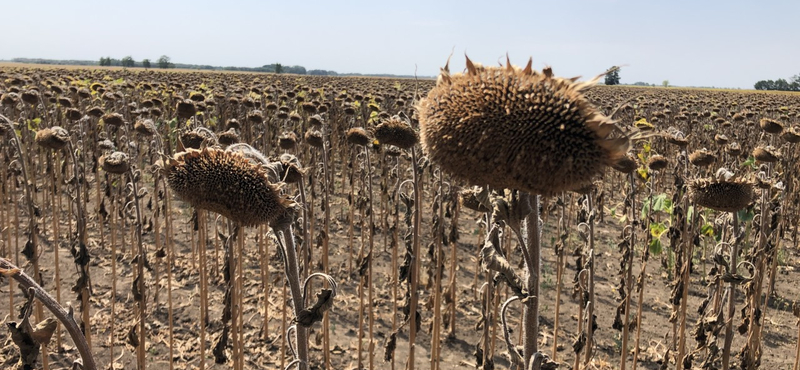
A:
[10,270]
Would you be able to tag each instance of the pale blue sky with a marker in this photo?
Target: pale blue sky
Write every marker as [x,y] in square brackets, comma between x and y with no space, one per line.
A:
[699,43]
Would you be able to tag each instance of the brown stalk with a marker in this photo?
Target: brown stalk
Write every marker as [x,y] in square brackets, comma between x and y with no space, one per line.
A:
[414,276]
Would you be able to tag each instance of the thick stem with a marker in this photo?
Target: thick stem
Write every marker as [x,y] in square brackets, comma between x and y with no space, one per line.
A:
[530,318]
[203,283]
[414,278]
[292,270]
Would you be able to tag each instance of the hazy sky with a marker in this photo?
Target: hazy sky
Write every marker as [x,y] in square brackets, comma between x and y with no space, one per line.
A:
[689,43]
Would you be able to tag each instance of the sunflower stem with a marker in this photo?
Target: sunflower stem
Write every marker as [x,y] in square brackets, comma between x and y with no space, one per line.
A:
[530,319]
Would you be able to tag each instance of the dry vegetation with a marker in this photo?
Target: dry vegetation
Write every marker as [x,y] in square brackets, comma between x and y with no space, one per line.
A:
[169,220]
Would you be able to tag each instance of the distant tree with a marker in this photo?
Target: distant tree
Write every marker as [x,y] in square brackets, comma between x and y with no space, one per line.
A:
[146,63]
[128,61]
[665,83]
[765,85]
[105,61]
[298,70]
[164,62]
[640,83]
[781,85]
[278,68]
[612,77]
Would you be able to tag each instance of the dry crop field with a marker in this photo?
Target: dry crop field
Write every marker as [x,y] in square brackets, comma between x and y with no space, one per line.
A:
[163,220]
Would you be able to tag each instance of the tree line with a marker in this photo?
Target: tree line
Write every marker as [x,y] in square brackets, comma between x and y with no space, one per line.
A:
[165,62]
[793,84]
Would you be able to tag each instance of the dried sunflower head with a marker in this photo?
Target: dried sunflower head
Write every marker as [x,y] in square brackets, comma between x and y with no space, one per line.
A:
[197,138]
[625,164]
[292,170]
[186,109]
[115,162]
[229,137]
[770,126]
[657,162]
[113,119]
[314,138]
[96,112]
[358,136]
[726,195]
[73,114]
[791,136]
[145,127]
[227,183]
[396,131]
[702,158]
[55,137]
[765,154]
[517,128]
[287,140]
[734,149]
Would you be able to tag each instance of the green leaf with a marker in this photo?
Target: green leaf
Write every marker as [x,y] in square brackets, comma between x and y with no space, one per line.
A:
[655,247]
[707,230]
[744,215]
[645,208]
[750,162]
[662,204]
